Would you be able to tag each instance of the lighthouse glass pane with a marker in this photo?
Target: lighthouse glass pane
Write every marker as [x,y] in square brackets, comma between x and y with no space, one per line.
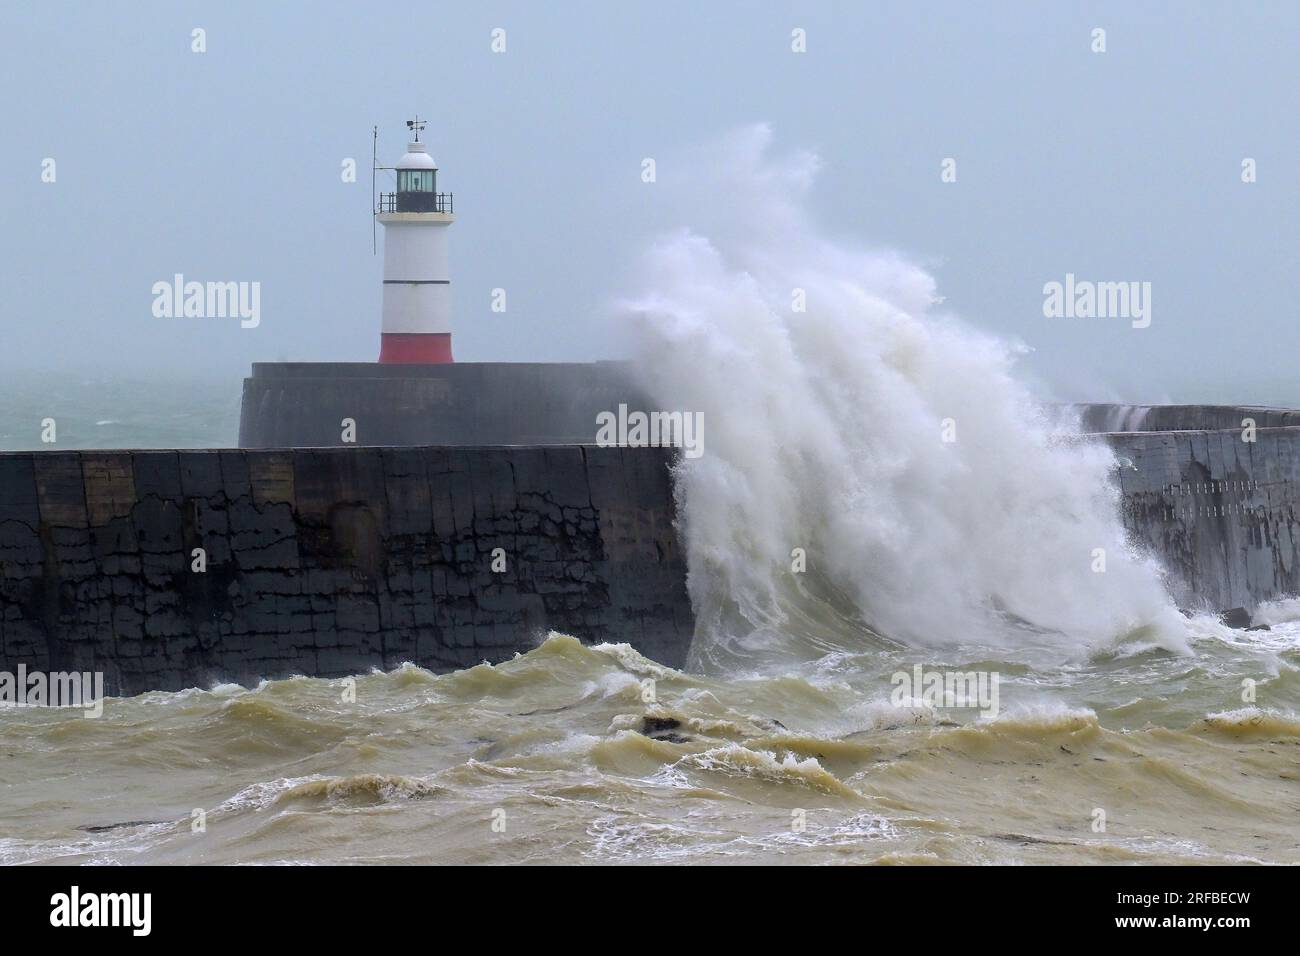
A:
[415,180]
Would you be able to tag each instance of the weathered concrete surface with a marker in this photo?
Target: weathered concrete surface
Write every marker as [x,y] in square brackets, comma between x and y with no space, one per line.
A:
[330,562]
[1106,418]
[1219,512]
[333,561]
[288,404]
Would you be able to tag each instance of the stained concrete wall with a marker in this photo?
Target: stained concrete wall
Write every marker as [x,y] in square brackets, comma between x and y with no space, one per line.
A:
[331,562]
[1219,512]
[1102,417]
[289,404]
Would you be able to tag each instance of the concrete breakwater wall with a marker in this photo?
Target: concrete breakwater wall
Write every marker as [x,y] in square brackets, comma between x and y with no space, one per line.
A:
[1220,513]
[1108,418]
[331,562]
[295,404]
[1214,501]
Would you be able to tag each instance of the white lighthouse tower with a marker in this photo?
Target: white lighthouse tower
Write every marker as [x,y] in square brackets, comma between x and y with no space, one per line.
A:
[417,281]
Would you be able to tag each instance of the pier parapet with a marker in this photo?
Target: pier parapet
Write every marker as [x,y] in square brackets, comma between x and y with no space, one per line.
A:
[170,569]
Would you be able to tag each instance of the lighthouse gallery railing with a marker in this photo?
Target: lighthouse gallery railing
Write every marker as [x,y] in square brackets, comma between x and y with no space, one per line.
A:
[415,202]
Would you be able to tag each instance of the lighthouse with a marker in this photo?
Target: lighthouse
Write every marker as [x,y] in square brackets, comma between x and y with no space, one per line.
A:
[416,327]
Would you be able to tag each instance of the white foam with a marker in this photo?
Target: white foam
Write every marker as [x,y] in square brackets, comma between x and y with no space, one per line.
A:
[1285,611]
[824,432]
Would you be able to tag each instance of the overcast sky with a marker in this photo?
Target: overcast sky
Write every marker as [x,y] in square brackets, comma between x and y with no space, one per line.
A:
[225,165]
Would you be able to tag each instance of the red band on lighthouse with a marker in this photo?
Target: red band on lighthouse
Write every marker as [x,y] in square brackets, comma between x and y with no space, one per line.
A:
[415,348]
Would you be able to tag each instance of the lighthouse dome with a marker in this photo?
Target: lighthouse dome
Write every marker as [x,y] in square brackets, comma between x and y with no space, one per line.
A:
[416,157]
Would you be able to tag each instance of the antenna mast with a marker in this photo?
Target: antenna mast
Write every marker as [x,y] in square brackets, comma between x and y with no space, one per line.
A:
[374,162]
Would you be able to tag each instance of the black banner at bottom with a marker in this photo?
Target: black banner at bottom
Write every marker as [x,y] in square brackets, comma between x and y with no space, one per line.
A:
[342,904]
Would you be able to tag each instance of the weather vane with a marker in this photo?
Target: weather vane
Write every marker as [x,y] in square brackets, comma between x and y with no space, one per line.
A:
[415,125]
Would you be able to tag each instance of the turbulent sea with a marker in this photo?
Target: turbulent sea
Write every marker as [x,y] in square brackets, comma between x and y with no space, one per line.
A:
[555,757]
[877,493]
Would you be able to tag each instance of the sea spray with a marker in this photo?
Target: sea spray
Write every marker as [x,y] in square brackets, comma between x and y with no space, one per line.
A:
[884,445]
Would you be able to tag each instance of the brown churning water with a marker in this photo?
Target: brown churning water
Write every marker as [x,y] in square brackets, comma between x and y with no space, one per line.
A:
[578,754]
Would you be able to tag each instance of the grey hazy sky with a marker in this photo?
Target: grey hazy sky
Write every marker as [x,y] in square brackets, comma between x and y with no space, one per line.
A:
[226,165]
